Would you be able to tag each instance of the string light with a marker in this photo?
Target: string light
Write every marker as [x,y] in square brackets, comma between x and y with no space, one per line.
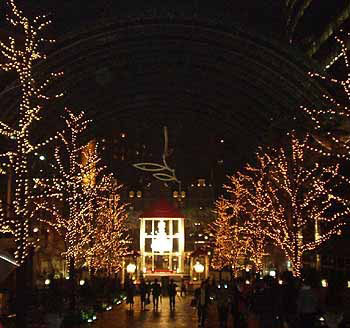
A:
[20,59]
[299,195]
[94,228]
[229,244]
[66,191]
[335,113]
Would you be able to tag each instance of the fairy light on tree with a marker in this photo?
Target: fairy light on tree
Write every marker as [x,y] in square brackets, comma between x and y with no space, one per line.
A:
[299,194]
[256,209]
[63,202]
[20,58]
[229,242]
[331,122]
[110,239]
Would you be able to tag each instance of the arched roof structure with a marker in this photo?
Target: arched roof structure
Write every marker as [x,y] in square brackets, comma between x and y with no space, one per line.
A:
[193,75]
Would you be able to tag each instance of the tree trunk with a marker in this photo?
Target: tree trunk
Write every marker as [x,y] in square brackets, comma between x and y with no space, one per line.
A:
[72,278]
[24,291]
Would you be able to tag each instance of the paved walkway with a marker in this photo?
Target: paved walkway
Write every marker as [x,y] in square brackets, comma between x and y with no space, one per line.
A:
[183,316]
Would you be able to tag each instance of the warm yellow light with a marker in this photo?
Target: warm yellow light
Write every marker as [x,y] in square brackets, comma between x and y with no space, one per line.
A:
[47,282]
[198,267]
[131,268]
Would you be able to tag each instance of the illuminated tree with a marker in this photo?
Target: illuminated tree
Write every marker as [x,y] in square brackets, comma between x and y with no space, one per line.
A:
[257,208]
[230,244]
[302,207]
[64,201]
[331,123]
[110,239]
[19,57]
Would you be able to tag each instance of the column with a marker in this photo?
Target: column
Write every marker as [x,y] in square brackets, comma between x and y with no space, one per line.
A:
[171,235]
[142,242]
[181,244]
[206,266]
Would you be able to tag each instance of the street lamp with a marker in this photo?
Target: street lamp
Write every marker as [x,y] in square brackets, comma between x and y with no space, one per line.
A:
[131,268]
[199,268]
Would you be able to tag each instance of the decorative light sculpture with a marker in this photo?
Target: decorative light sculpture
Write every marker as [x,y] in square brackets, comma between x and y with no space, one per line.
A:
[161,243]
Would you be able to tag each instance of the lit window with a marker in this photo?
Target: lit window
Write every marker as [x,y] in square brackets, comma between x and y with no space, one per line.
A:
[131,194]
[175,194]
[139,194]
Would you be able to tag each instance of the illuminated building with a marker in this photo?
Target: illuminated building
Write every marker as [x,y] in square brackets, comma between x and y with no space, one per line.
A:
[162,239]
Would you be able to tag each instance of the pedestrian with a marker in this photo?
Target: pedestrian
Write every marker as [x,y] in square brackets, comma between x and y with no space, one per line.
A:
[183,288]
[148,292]
[307,305]
[222,301]
[143,294]
[130,293]
[265,304]
[172,294]
[289,295]
[202,300]
[156,294]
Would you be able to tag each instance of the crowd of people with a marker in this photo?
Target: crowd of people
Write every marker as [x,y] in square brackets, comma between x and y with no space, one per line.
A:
[263,302]
[146,289]
[270,303]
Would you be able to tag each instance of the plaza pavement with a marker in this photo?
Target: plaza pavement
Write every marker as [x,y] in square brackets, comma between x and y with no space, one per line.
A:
[183,316]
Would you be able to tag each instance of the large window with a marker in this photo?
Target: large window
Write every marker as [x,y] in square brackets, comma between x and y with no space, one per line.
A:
[162,245]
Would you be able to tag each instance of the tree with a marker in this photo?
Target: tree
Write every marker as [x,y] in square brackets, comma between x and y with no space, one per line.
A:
[331,123]
[20,58]
[302,207]
[64,201]
[230,244]
[110,239]
[257,207]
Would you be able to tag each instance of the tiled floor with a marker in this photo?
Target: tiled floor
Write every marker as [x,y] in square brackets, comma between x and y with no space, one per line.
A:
[183,316]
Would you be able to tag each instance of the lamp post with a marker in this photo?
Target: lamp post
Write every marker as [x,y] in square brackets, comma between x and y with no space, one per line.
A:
[199,268]
[130,269]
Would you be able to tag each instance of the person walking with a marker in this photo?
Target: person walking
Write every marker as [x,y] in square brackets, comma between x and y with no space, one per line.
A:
[156,294]
[130,293]
[307,305]
[222,301]
[202,300]
[183,288]
[172,294]
[143,295]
